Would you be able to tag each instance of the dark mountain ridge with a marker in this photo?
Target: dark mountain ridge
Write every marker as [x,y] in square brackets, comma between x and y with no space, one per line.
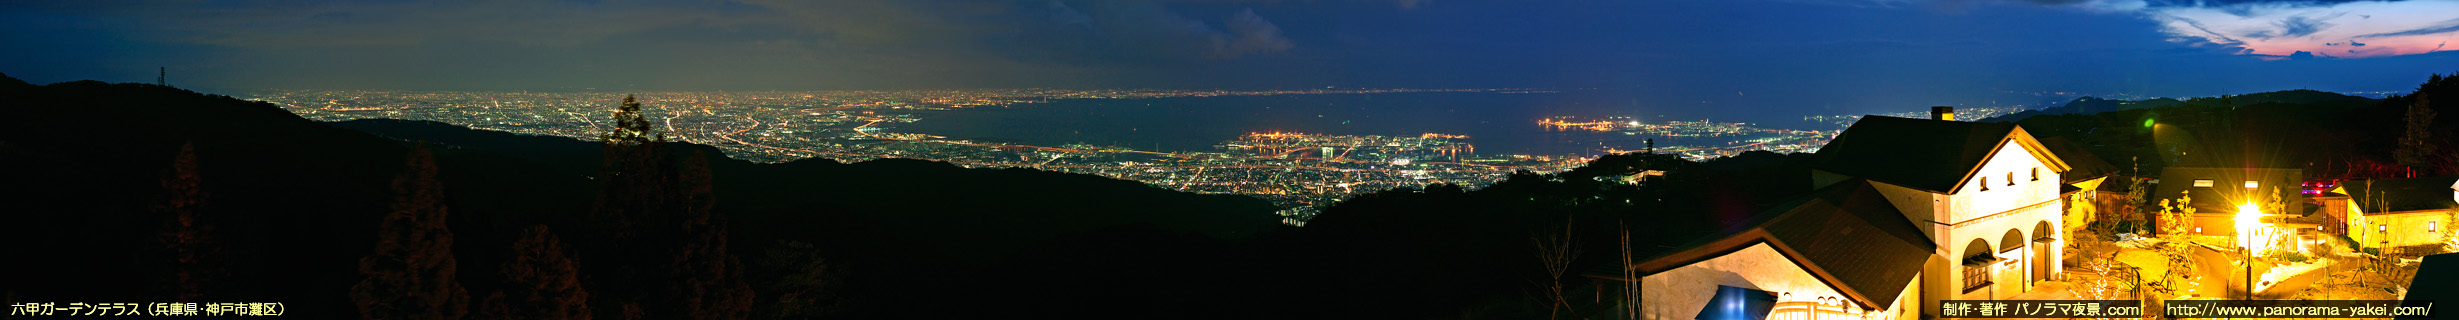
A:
[296,201]
[2096,105]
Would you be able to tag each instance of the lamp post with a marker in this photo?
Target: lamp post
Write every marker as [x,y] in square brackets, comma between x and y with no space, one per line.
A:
[2382,252]
[2247,216]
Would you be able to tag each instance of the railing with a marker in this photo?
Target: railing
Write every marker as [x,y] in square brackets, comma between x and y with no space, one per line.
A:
[2131,277]
[1810,310]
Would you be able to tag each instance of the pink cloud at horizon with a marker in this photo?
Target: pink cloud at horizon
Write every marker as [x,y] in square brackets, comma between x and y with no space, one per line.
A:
[2344,30]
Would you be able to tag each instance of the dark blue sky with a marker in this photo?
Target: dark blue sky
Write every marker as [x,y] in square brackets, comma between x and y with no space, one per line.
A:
[1718,53]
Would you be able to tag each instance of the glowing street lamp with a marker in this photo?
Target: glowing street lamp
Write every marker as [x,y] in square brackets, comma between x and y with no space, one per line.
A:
[2249,219]
[2247,216]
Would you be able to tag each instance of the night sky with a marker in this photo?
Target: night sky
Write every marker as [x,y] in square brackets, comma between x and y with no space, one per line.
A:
[1750,53]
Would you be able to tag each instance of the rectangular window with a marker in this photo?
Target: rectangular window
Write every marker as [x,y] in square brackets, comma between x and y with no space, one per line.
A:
[1984,183]
[2251,184]
[2202,183]
[2010,178]
[2036,173]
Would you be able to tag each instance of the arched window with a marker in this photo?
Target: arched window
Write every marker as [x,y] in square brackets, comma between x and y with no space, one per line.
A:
[2036,173]
[1984,183]
[2010,178]
[1977,260]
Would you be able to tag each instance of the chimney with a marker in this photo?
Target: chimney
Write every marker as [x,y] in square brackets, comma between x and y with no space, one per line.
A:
[1942,113]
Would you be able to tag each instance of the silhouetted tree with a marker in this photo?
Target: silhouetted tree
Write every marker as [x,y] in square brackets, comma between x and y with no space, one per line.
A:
[191,240]
[707,281]
[1555,250]
[635,173]
[636,191]
[2416,147]
[411,273]
[630,127]
[1630,272]
[541,281]
[667,248]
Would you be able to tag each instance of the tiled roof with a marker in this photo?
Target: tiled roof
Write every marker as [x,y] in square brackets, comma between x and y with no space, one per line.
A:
[2085,165]
[1855,235]
[2394,195]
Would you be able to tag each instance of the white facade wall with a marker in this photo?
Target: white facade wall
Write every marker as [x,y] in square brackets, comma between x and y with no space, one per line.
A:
[1953,221]
[2018,206]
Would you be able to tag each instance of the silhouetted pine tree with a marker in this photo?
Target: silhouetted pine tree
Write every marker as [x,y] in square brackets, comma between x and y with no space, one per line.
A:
[706,280]
[635,192]
[667,247]
[190,239]
[541,282]
[2416,147]
[636,179]
[411,273]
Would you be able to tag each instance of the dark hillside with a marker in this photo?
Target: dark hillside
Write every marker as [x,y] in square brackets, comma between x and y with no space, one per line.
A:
[293,204]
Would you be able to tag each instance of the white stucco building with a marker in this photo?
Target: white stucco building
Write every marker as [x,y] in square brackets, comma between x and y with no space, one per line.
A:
[1904,213]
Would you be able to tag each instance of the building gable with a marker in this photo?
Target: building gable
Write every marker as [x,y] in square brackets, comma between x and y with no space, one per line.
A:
[1911,152]
[1848,235]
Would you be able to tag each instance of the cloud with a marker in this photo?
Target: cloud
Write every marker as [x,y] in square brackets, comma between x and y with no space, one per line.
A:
[1082,32]
[845,38]
[300,24]
[2294,30]
[2096,5]
[2299,26]
[1248,34]
[2444,28]
[2272,29]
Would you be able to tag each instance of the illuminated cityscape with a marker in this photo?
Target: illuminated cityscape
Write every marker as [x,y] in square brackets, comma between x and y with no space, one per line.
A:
[1297,171]
[1097,159]
[1961,114]
[1695,140]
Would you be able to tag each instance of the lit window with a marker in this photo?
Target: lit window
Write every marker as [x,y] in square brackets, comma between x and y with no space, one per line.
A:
[2198,230]
[2251,184]
[2382,227]
[2429,225]
[2202,183]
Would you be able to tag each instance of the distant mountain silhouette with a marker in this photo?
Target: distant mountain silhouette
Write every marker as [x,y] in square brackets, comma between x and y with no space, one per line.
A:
[2094,105]
[2329,135]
